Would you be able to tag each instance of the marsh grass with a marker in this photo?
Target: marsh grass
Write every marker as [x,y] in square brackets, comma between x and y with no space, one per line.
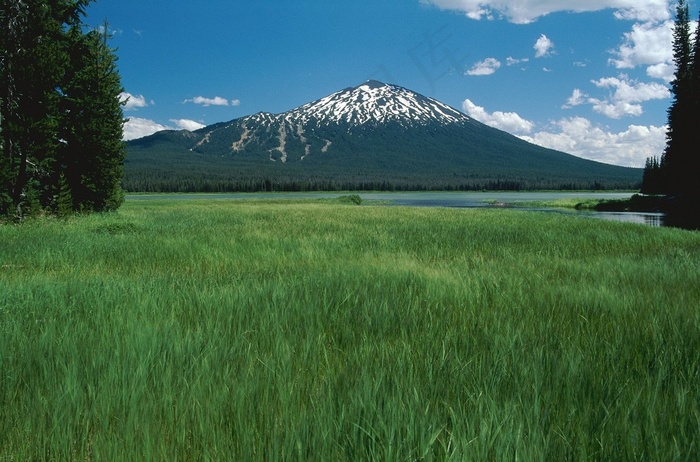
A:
[561,203]
[315,330]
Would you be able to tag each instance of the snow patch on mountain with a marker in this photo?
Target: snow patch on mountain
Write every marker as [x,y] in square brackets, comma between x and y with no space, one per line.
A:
[376,102]
[204,140]
[238,146]
[283,142]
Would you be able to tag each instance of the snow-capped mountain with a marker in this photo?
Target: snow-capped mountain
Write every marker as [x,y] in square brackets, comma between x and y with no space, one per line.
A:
[375,102]
[371,135]
[313,128]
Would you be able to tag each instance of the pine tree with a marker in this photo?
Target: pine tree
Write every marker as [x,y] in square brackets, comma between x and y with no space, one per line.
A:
[692,178]
[64,201]
[32,63]
[653,181]
[60,114]
[12,20]
[93,154]
[676,160]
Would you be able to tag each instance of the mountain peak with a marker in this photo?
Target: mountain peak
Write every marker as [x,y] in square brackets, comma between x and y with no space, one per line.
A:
[375,102]
[372,84]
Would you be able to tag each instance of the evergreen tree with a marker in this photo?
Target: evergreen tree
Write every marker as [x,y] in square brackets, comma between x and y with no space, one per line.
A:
[93,154]
[653,180]
[677,158]
[692,179]
[13,16]
[60,114]
[31,69]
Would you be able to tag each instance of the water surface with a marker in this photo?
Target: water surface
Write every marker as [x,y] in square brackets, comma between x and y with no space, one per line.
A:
[468,199]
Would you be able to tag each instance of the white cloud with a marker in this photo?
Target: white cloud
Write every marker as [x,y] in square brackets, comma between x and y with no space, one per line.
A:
[510,61]
[624,100]
[633,91]
[485,67]
[577,98]
[616,109]
[137,127]
[648,10]
[186,124]
[627,96]
[506,121]
[578,136]
[648,44]
[543,47]
[527,11]
[662,71]
[133,102]
[215,101]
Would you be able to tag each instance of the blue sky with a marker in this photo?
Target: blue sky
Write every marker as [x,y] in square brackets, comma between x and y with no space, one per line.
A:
[587,77]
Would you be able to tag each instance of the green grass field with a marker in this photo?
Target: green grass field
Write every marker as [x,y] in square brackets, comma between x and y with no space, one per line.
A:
[321,330]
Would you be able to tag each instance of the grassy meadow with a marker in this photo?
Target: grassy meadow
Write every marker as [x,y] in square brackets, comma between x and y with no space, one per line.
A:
[322,330]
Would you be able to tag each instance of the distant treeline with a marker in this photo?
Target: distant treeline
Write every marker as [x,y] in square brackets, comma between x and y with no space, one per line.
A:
[204,185]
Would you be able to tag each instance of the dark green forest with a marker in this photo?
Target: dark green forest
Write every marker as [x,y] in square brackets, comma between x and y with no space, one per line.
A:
[197,173]
[61,148]
[455,157]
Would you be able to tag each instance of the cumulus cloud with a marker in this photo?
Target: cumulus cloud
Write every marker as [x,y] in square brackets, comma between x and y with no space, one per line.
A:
[580,137]
[485,67]
[527,11]
[626,97]
[506,121]
[137,127]
[616,109]
[186,124]
[215,101]
[132,102]
[662,71]
[633,91]
[648,44]
[647,11]
[543,47]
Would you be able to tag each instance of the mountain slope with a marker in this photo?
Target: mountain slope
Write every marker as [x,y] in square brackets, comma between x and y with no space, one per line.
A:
[373,136]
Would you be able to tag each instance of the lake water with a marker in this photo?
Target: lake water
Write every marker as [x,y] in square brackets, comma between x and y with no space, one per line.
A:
[467,199]
[487,199]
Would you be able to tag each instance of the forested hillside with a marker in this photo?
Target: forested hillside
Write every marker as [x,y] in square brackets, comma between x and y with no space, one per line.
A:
[373,136]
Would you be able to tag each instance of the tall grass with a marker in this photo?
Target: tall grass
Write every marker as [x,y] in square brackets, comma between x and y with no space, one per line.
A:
[295,330]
